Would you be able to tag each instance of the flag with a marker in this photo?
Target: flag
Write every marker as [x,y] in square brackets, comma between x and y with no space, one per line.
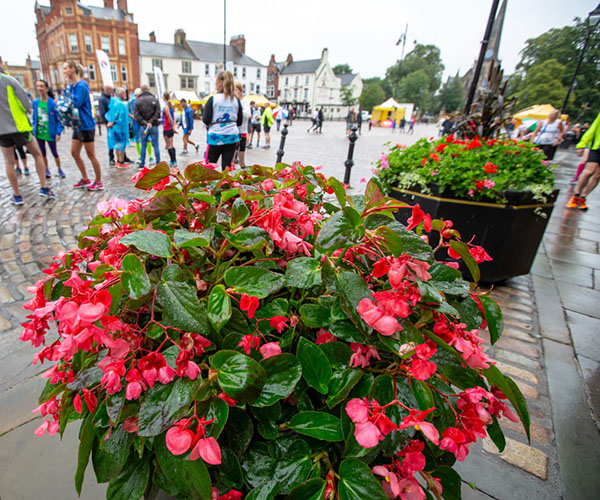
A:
[104,64]
[160,81]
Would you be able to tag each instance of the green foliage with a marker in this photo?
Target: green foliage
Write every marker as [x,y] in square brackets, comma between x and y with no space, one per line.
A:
[451,96]
[542,84]
[347,96]
[342,69]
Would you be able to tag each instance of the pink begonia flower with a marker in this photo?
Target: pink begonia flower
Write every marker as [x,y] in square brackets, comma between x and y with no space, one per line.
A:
[411,490]
[454,441]
[416,419]
[113,207]
[279,323]
[270,349]
[390,483]
[362,355]
[470,192]
[179,440]
[488,183]
[249,342]
[372,425]
[47,425]
[417,216]
[367,434]
[324,337]
[268,184]
[358,410]
[384,161]
[208,449]
[377,318]
[362,180]
[249,304]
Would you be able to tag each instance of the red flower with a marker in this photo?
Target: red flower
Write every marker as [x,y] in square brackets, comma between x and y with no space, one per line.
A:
[421,368]
[323,337]
[377,318]
[270,349]
[248,342]
[416,419]
[479,185]
[250,304]
[372,425]
[479,254]
[490,168]
[417,216]
[279,323]
[440,147]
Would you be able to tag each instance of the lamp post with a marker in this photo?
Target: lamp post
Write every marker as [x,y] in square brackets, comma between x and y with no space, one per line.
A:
[592,20]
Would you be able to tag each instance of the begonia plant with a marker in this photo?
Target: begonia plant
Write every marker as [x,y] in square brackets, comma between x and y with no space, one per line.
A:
[263,334]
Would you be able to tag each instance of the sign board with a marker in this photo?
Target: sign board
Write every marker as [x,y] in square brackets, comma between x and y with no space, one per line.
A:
[104,65]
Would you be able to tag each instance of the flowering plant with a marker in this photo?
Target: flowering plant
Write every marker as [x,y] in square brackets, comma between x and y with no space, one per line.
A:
[471,169]
[238,336]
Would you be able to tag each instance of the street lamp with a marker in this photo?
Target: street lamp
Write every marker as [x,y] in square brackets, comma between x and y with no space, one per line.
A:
[592,20]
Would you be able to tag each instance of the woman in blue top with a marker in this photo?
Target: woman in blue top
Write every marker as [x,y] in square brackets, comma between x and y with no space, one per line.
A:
[46,125]
[83,136]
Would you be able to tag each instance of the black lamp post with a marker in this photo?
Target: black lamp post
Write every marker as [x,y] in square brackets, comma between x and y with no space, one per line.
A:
[592,20]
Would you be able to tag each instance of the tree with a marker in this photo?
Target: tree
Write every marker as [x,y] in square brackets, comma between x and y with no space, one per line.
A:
[423,57]
[383,83]
[371,96]
[452,95]
[346,95]
[542,84]
[414,88]
[342,69]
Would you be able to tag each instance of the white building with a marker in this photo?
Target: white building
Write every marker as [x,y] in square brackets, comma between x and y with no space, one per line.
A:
[311,84]
[192,66]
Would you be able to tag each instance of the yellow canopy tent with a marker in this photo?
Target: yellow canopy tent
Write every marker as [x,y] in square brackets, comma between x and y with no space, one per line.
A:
[389,110]
[261,100]
[537,112]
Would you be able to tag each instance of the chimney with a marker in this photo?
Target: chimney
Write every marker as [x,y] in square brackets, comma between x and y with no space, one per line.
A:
[109,4]
[324,54]
[179,37]
[153,36]
[122,5]
[239,42]
[289,59]
[272,60]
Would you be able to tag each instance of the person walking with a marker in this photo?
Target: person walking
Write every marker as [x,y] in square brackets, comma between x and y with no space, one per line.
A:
[255,124]
[168,122]
[223,115]
[349,121]
[590,176]
[22,155]
[278,119]
[320,119]
[246,113]
[402,125]
[187,123]
[267,121]
[147,115]
[78,92]
[46,125]
[411,125]
[15,130]
[548,134]
[359,121]
[117,126]
[315,122]
[136,130]
[103,105]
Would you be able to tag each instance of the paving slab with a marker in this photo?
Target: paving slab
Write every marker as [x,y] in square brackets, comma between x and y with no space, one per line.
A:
[585,331]
[580,299]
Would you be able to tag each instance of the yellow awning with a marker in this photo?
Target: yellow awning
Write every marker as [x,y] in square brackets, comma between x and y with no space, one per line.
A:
[537,112]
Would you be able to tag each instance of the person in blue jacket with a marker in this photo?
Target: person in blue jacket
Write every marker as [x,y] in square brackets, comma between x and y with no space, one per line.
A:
[187,123]
[117,123]
[46,125]
[83,135]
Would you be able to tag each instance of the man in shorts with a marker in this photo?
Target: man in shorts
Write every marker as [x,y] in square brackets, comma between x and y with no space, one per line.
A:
[267,122]
[254,125]
[15,131]
[187,122]
[590,177]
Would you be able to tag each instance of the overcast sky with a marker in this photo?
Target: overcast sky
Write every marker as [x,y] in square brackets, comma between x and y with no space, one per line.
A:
[360,33]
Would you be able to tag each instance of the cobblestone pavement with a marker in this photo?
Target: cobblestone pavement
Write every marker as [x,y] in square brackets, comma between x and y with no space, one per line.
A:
[564,286]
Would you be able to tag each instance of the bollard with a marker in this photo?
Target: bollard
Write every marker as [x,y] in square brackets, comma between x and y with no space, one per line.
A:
[349,163]
[280,151]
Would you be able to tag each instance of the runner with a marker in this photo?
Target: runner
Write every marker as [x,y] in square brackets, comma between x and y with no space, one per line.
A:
[117,125]
[15,130]
[187,123]
[83,136]
[267,121]
[255,124]
[136,130]
[20,153]
[46,125]
[223,116]
[588,180]
[147,115]
[246,112]
[168,121]
[315,122]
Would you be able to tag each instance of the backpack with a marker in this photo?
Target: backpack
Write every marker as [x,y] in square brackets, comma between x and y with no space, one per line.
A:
[68,114]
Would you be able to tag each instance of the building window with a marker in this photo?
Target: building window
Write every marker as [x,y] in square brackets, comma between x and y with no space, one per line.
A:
[244,85]
[251,87]
[151,80]
[295,94]
[157,63]
[270,76]
[287,80]
[188,83]
[286,94]
[235,71]
[113,72]
[244,72]
[216,68]
[123,73]
[68,11]
[121,46]
[207,87]
[92,72]
[258,73]
[88,43]
[105,43]
[307,80]
[206,70]
[297,80]
[257,88]
[186,66]
[73,47]
[270,91]
[305,94]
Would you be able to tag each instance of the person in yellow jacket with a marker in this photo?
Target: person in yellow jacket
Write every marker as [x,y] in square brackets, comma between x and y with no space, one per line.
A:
[266,121]
[15,130]
[589,178]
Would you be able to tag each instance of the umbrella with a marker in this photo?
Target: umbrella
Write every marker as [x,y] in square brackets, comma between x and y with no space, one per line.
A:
[280,113]
[530,123]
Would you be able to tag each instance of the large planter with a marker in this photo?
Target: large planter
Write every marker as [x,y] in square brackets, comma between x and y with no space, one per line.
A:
[511,233]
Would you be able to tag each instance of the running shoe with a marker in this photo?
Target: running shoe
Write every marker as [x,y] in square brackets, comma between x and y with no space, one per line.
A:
[16,199]
[82,184]
[172,164]
[151,162]
[61,174]
[48,174]
[96,186]
[267,146]
[47,193]
[122,165]
[18,171]
[111,163]
[249,146]
[184,152]
[197,148]
[582,204]
[127,160]
[26,170]
[138,161]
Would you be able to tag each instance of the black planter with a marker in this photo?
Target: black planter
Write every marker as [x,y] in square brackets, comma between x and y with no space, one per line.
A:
[510,233]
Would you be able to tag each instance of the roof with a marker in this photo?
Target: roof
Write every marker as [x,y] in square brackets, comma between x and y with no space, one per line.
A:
[167,50]
[104,13]
[347,78]
[391,103]
[35,64]
[295,67]
[213,52]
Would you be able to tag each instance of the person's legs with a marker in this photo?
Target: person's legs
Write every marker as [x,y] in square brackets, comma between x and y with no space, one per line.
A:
[213,153]
[592,182]
[155,144]
[143,148]
[76,146]
[258,138]
[9,163]
[242,152]
[111,156]
[42,145]
[228,150]
[90,151]
[54,151]
[40,167]
[185,141]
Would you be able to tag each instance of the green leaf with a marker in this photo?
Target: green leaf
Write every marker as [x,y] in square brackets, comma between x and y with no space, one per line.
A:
[353,289]
[251,238]
[283,372]
[131,482]
[239,212]
[240,377]
[451,482]
[207,198]
[109,460]
[180,303]
[154,176]
[373,194]
[219,307]
[161,404]
[265,491]
[230,193]
[253,281]
[114,405]
[190,477]
[442,272]
[162,204]
[340,385]
[314,315]
[493,317]
[303,272]
[339,191]
[346,330]
[339,231]
[239,430]
[497,436]
[316,368]
[313,489]
[463,250]
[358,483]
[87,436]
[229,473]
[392,240]
[338,354]
[149,241]
[186,239]
[423,394]
[197,172]
[317,424]
[414,245]
[134,278]
[215,409]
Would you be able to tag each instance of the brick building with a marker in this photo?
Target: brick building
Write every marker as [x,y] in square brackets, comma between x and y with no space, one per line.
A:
[68,30]
[27,74]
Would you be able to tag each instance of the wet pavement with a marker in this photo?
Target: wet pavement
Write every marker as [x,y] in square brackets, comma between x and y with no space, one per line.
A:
[549,347]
